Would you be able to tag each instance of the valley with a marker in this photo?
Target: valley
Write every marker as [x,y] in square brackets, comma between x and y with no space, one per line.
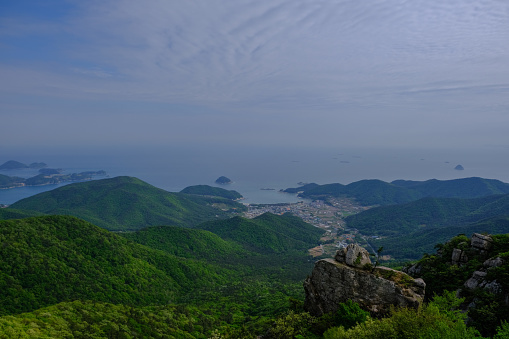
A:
[328,214]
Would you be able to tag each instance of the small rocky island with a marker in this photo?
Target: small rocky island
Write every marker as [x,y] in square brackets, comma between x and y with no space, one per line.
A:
[352,276]
[459,168]
[222,180]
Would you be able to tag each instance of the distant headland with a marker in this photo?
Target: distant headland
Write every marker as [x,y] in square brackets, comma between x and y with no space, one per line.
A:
[46,176]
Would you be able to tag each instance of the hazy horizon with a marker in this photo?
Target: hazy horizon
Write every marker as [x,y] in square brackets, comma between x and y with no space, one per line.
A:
[392,73]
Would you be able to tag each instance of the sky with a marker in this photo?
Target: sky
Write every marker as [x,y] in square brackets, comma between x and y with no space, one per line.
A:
[373,73]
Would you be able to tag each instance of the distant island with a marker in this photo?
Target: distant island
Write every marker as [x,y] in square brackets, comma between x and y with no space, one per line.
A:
[12,164]
[459,168]
[223,180]
[46,176]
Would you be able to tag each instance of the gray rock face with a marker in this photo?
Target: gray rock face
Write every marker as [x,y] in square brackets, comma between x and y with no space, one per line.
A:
[459,257]
[476,280]
[481,242]
[333,282]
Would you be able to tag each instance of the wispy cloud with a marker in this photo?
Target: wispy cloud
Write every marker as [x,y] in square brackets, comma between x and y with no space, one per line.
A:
[280,56]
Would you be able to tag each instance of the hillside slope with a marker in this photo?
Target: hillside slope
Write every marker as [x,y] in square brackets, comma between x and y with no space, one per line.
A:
[49,259]
[267,233]
[185,242]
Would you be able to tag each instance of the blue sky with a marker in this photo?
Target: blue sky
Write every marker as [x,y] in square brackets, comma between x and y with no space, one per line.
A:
[377,73]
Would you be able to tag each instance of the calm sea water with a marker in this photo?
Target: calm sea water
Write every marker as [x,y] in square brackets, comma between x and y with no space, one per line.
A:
[256,168]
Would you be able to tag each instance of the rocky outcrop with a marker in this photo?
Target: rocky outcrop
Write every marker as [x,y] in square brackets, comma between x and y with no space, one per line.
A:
[459,257]
[335,281]
[479,279]
[481,242]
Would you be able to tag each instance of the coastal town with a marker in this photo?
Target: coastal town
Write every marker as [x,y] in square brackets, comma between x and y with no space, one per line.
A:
[326,214]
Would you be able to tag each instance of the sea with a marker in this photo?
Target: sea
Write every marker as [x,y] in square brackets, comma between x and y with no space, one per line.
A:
[258,172]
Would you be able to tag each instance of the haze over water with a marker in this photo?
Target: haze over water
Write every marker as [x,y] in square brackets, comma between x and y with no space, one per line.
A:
[252,168]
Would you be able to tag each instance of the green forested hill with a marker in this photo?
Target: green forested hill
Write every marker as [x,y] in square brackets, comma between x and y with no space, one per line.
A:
[377,192]
[126,203]
[207,190]
[49,259]
[428,213]
[267,233]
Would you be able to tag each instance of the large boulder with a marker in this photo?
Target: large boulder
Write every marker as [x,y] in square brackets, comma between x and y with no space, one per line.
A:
[481,242]
[353,255]
[375,290]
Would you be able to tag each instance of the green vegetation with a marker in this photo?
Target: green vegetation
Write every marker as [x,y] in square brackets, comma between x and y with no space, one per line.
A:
[428,213]
[125,203]
[87,319]
[439,319]
[52,259]
[207,190]
[414,245]
[377,192]
[11,213]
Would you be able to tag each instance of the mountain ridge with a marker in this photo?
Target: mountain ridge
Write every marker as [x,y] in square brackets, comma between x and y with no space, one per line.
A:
[378,192]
